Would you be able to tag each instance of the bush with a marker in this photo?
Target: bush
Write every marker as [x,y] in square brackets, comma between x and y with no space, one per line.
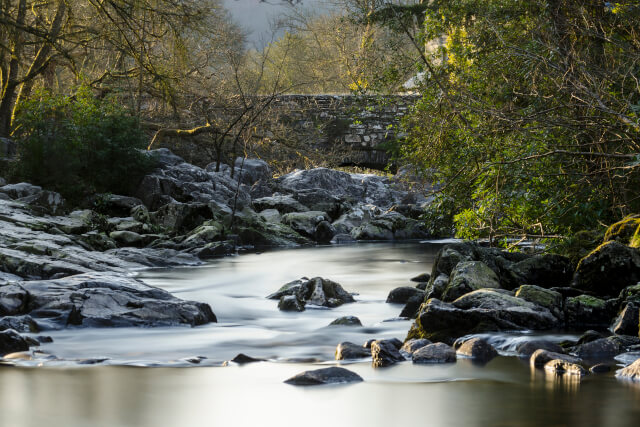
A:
[79,145]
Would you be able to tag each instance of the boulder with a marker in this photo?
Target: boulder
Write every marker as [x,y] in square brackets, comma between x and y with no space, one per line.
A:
[290,303]
[421,278]
[586,311]
[541,357]
[282,203]
[11,341]
[254,230]
[600,368]
[385,353]
[250,171]
[627,321]
[20,190]
[103,300]
[316,291]
[346,321]
[46,202]
[348,350]
[127,238]
[317,199]
[357,216]
[631,372]
[434,353]
[155,257]
[608,269]
[468,276]
[19,323]
[412,307]
[630,294]
[333,375]
[562,367]
[480,311]
[402,294]
[324,232]
[243,359]
[477,349]
[374,230]
[544,270]
[305,223]
[413,345]
[527,348]
[603,348]
[181,217]
[436,286]
[546,298]
[270,215]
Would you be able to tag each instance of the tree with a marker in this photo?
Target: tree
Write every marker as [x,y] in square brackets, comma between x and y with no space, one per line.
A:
[531,123]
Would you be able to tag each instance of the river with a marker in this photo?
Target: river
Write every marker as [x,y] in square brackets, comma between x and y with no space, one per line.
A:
[146,377]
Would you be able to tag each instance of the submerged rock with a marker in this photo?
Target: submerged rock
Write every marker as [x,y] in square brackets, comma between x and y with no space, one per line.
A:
[333,375]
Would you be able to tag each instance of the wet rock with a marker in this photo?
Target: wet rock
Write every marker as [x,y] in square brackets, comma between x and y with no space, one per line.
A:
[527,348]
[385,353]
[107,300]
[346,321]
[585,311]
[402,294]
[477,349]
[44,339]
[316,291]
[589,336]
[323,232]
[333,375]
[215,249]
[254,230]
[282,203]
[631,372]
[151,257]
[600,368]
[551,300]
[412,345]
[305,223]
[434,353]
[243,359]
[562,367]
[435,288]
[290,303]
[468,276]
[11,342]
[480,311]
[412,307]
[627,321]
[368,343]
[348,350]
[608,269]
[421,278]
[541,357]
[602,348]
[341,239]
[18,323]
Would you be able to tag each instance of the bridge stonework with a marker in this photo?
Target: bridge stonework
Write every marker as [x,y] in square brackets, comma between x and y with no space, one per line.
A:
[362,127]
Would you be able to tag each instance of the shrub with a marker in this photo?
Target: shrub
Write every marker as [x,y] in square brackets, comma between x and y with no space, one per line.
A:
[78,145]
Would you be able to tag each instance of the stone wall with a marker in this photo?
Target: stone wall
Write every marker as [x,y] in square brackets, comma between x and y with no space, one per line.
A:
[360,126]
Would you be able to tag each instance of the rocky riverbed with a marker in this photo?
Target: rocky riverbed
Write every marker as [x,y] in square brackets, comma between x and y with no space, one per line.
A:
[63,268]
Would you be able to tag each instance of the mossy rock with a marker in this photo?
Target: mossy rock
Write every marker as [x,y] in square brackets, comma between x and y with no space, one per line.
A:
[468,276]
[625,231]
[580,244]
[608,269]
[551,300]
[588,311]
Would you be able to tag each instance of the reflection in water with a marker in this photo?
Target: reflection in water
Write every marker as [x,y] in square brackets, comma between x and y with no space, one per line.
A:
[504,392]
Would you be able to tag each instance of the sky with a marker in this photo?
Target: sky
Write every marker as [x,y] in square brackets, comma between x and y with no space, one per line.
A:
[255,15]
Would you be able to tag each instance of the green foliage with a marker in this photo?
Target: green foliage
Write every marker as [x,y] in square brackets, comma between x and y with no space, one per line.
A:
[528,119]
[79,145]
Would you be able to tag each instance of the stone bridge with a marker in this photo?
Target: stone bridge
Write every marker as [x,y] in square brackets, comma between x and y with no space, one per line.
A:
[362,127]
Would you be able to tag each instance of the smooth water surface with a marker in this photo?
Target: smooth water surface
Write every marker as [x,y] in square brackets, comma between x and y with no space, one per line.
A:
[505,392]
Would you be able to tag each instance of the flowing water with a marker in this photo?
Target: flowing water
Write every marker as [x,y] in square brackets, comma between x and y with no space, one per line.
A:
[123,389]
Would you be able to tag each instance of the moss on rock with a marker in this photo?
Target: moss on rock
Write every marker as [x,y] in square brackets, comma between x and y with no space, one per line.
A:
[624,231]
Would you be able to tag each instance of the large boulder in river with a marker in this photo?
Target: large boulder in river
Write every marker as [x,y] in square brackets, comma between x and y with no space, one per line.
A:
[434,353]
[480,311]
[316,291]
[402,294]
[477,349]
[608,269]
[385,353]
[101,300]
[468,276]
[347,350]
[547,298]
[585,311]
